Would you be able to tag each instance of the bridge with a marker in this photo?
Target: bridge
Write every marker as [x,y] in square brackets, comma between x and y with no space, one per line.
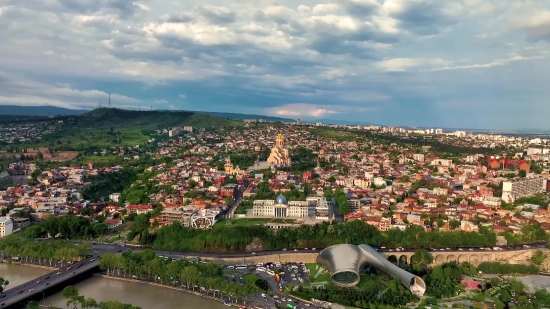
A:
[473,257]
[19,296]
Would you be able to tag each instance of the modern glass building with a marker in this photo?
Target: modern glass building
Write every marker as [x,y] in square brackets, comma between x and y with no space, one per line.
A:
[346,262]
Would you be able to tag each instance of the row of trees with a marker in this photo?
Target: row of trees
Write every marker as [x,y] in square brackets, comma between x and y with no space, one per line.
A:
[503,269]
[46,253]
[223,238]
[147,265]
[74,300]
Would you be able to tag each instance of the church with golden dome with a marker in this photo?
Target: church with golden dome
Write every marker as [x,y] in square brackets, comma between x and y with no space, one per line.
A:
[279,154]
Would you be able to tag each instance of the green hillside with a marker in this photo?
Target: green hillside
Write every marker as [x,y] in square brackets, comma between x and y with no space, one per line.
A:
[120,118]
[105,128]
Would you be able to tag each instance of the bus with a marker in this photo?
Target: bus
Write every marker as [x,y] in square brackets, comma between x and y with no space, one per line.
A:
[240,266]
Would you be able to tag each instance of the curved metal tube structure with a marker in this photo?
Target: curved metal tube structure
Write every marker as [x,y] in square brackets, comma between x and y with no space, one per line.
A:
[345,263]
[411,281]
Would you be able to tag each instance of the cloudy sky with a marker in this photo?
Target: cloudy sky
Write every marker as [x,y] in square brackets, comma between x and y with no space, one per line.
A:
[441,63]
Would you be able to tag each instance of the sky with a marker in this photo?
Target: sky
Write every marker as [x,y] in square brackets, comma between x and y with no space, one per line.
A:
[428,63]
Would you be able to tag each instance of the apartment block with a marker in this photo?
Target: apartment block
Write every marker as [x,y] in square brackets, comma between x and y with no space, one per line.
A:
[514,189]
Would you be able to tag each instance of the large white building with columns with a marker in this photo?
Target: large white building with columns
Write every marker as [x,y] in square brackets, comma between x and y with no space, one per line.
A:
[313,208]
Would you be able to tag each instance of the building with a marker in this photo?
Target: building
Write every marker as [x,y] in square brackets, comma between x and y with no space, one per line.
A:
[279,154]
[169,216]
[175,132]
[188,129]
[139,209]
[346,262]
[419,157]
[229,190]
[312,207]
[115,197]
[6,226]
[204,218]
[520,187]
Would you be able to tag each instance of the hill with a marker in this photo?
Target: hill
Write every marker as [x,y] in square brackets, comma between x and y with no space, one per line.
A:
[120,118]
[30,112]
[42,110]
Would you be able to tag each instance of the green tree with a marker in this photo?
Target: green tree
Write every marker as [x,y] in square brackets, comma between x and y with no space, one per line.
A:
[454,224]
[538,257]
[3,284]
[421,259]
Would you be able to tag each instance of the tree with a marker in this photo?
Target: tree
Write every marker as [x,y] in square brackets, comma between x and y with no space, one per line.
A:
[538,257]
[331,179]
[421,259]
[3,284]
[522,173]
[454,224]
[70,293]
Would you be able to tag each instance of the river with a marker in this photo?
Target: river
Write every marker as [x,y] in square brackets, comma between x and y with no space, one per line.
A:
[101,289]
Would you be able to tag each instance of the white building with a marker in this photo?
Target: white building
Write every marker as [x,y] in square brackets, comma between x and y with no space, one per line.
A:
[419,157]
[6,226]
[114,197]
[442,162]
[204,219]
[514,189]
[316,207]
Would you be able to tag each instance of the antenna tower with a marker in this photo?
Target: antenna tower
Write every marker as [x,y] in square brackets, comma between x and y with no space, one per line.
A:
[109,101]
[139,108]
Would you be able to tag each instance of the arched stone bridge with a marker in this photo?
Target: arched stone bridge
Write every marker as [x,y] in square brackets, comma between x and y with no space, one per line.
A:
[473,257]
[440,257]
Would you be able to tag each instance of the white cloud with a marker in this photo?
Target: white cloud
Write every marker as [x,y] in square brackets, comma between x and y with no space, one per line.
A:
[221,54]
[403,64]
[302,110]
[495,63]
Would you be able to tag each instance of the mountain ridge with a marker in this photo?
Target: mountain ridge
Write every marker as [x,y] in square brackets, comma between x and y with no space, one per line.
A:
[47,110]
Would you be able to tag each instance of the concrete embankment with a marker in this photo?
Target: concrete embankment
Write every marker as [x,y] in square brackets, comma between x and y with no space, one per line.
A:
[163,286]
[306,257]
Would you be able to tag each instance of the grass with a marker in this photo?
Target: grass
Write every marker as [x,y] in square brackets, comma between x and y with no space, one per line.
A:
[323,277]
[251,280]
[287,221]
[244,221]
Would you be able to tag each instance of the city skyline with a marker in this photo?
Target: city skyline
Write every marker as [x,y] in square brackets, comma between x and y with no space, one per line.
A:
[451,64]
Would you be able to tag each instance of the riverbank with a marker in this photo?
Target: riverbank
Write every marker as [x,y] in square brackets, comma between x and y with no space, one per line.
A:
[29,264]
[163,286]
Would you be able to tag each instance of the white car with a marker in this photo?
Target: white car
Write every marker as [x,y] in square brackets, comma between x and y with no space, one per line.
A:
[31,290]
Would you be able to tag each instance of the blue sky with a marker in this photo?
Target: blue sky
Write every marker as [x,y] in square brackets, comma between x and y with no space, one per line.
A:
[440,63]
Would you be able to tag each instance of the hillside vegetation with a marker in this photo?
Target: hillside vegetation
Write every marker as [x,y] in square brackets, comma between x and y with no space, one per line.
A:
[118,118]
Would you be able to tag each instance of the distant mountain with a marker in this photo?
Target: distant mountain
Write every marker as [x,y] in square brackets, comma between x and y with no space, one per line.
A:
[236,116]
[42,110]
